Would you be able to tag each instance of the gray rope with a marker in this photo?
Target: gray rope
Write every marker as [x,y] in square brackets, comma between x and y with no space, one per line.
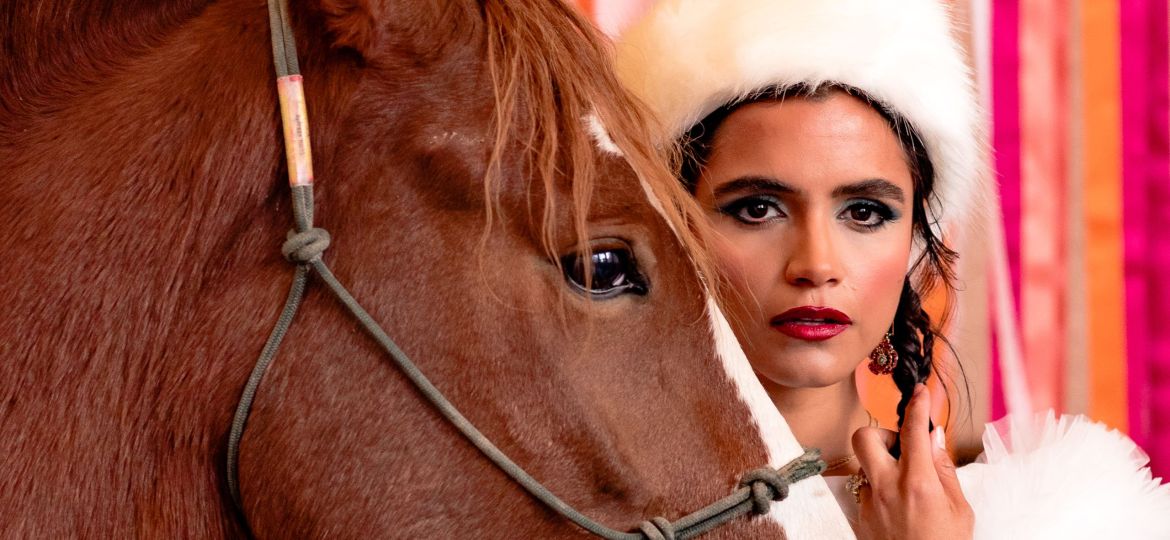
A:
[284,46]
[305,245]
[284,57]
[244,407]
[758,488]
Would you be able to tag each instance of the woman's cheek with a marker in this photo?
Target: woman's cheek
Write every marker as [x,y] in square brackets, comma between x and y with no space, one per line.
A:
[879,269]
[747,262]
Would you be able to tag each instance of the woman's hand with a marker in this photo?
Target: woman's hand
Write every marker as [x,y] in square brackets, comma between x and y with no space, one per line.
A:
[918,496]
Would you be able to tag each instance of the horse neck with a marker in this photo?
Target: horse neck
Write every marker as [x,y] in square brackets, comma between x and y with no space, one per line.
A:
[64,48]
[144,192]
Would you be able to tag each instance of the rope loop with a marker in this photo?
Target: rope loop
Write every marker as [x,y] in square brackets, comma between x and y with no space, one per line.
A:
[768,484]
[658,529]
[305,247]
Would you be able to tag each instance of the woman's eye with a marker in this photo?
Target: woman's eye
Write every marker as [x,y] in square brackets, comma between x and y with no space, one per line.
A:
[754,211]
[868,214]
[861,214]
[610,272]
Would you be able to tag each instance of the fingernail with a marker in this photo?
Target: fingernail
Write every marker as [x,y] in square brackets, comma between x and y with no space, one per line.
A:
[940,438]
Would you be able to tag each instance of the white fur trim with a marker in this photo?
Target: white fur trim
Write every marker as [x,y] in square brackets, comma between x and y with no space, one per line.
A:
[811,510]
[686,58]
[1043,477]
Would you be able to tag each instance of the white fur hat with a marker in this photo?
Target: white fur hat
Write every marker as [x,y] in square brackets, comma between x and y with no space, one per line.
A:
[687,58]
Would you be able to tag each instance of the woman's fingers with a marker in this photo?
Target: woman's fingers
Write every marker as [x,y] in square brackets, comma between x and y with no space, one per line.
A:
[872,447]
[888,437]
[947,476]
[917,454]
[917,496]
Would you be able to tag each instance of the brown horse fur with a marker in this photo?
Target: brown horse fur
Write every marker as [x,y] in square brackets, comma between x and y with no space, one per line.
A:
[144,203]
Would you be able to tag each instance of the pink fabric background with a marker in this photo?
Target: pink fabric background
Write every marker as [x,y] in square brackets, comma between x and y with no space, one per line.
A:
[1146,169]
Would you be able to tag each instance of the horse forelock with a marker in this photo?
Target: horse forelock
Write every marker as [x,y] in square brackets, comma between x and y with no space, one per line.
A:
[556,93]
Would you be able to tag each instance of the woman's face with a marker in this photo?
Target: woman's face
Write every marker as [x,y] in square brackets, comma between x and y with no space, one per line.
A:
[811,203]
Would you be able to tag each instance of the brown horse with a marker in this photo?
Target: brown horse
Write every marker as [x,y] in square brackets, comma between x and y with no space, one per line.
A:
[464,182]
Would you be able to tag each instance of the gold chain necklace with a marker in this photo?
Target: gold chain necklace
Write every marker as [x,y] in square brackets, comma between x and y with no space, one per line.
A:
[838,463]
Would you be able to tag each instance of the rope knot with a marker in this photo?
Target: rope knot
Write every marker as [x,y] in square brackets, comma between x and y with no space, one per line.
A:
[658,529]
[768,484]
[307,246]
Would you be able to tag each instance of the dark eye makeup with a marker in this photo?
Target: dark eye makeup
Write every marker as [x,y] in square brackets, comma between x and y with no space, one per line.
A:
[868,214]
[864,214]
[754,209]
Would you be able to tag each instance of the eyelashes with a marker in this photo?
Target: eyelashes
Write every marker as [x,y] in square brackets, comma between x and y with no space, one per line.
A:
[861,214]
[868,214]
[754,210]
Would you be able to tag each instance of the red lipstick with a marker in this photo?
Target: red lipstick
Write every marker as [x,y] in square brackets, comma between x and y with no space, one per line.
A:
[811,323]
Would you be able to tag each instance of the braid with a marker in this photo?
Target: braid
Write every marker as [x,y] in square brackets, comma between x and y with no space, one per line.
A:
[913,338]
[913,335]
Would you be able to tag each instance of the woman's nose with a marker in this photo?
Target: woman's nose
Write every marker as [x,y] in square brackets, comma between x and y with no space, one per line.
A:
[814,260]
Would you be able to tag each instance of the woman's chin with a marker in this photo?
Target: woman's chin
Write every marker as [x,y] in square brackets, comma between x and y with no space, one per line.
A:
[806,380]
[804,373]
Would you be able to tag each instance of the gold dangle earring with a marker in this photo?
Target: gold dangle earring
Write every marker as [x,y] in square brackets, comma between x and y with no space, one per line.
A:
[883,358]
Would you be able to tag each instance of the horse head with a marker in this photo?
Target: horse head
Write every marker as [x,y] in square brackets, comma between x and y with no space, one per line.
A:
[495,204]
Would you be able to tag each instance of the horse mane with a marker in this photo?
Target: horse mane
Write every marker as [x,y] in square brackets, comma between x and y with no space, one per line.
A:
[551,70]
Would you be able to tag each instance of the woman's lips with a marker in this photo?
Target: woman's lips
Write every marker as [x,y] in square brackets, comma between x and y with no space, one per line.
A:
[811,323]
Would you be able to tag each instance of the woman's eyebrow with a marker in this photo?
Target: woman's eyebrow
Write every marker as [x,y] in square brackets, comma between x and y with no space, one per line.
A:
[754,183]
[873,187]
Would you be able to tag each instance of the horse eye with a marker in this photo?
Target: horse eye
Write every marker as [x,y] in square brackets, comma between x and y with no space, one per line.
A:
[612,271]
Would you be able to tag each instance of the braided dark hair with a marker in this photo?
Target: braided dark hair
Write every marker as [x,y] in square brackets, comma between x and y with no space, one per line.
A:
[913,331]
[913,338]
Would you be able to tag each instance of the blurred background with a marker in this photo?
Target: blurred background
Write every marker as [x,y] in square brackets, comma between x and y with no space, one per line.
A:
[1065,296]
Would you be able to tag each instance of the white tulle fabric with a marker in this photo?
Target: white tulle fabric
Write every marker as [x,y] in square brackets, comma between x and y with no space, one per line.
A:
[1045,477]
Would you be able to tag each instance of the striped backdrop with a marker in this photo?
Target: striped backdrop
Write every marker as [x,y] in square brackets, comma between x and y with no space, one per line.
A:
[1068,305]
